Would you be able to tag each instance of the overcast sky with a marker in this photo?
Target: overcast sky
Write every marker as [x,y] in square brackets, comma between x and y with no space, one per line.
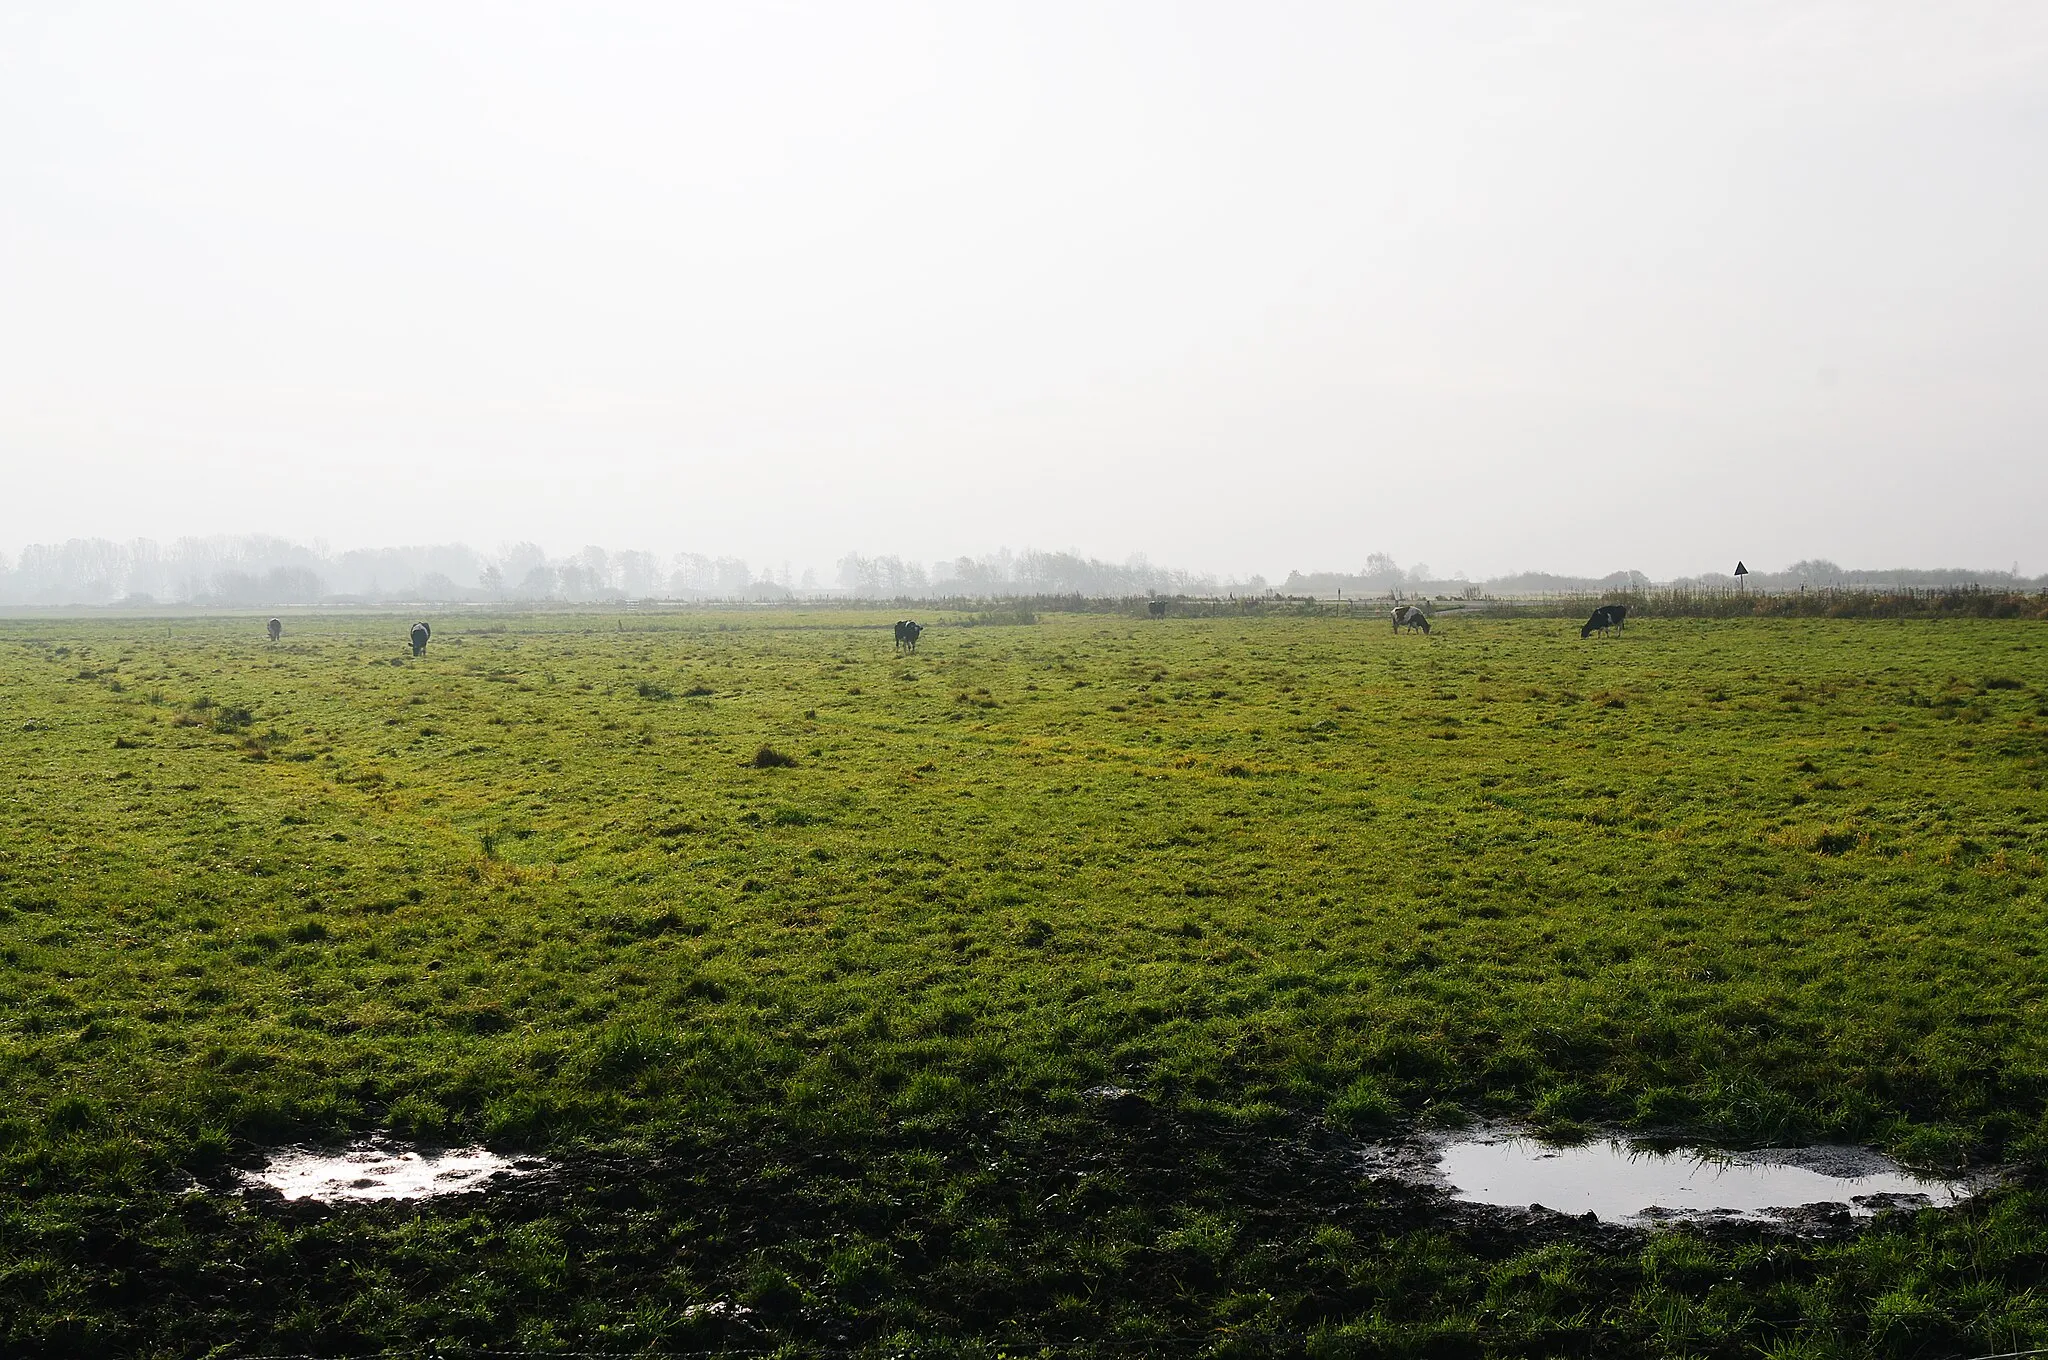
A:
[1243,287]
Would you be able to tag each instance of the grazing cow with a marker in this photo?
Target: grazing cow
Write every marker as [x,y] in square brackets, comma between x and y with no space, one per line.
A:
[1408,616]
[1156,608]
[275,628]
[1605,617]
[420,634]
[907,631]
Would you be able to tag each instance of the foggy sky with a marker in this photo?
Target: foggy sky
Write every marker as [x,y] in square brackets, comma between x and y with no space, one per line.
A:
[1243,287]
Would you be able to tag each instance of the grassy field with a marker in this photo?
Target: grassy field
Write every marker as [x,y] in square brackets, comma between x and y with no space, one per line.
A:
[815,1037]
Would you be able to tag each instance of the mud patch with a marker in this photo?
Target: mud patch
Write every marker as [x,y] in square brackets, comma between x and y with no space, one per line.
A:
[1619,1181]
[375,1169]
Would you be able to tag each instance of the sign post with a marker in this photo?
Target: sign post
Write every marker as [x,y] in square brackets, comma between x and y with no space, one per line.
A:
[1740,572]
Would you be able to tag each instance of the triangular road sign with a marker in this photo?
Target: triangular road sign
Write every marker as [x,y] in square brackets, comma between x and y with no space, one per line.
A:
[1741,570]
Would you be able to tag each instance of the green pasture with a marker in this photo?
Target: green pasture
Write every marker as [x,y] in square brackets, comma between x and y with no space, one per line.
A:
[815,1037]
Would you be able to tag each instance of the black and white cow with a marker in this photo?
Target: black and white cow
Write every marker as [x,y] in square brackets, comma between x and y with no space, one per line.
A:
[907,631]
[275,628]
[1409,616]
[1605,617]
[420,634]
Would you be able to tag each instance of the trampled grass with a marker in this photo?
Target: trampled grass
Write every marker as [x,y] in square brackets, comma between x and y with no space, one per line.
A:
[812,1034]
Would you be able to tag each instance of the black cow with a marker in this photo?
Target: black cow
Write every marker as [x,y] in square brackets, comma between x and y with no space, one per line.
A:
[275,628]
[907,631]
[1605,617]
[420,634]
[1409,616]
[1156,608]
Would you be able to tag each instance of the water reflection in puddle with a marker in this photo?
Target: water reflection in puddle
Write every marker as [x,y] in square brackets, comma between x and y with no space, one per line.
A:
[380,1170]
[1615,1180]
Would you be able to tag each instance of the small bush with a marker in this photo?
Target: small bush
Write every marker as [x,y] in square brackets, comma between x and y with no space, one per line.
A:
[768,758]
[647,689]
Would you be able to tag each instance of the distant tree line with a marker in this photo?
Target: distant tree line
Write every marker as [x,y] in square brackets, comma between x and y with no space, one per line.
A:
[1030,573]
[1828,602]
[259,571]
[1820,574]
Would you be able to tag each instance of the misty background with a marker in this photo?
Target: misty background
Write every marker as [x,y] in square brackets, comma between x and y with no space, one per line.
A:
[1244,288]
[268,572]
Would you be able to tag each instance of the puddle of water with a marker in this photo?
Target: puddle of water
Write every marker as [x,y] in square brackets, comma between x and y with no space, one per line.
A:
[1617,1181]
[372,1170]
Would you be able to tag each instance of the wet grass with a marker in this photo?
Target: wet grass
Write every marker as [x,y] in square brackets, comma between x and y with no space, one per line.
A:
[802,954]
